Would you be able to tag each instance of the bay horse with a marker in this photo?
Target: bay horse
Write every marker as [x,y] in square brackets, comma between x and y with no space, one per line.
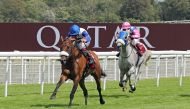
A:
[130,62]
[75,67]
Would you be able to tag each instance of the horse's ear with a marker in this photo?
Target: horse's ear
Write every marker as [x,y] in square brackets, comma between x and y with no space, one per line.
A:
[62,38]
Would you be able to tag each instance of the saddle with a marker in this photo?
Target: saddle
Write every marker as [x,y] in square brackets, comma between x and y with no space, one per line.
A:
[89,57]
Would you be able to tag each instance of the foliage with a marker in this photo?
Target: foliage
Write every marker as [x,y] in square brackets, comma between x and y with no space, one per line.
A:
[175,10]
[138,9]
[93,10]
[13,10]
[38,11]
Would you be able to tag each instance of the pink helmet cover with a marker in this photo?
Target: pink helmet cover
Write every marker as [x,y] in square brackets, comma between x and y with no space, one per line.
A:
[126,25]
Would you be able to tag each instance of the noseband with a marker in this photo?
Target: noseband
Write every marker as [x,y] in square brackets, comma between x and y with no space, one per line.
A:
[128,44]
[69,48]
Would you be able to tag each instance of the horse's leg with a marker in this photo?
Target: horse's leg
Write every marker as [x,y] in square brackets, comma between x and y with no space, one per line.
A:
[97,79]
[121,79]
[131,71]
[130,84]
[75,85]
[125,82]
[137,74]
[63,78]
[147,57]
[85,92]
[129,77]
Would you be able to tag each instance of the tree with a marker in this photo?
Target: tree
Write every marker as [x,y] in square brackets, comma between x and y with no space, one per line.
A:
[13,10]
[38,11]
[1,15]
[139,9]
[107,11]
[175,10]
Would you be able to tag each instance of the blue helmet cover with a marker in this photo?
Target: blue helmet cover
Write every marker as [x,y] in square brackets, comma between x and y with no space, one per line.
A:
[74,30]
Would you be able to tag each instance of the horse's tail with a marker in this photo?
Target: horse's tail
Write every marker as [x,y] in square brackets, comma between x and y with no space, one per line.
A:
[147,57]
[103,74]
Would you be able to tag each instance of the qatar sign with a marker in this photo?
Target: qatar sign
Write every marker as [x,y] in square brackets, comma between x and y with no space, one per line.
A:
[47,37]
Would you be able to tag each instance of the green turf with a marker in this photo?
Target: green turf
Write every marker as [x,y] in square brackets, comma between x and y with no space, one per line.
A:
[169,95]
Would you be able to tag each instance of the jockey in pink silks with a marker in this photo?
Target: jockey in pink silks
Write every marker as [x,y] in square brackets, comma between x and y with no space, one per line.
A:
[134,37]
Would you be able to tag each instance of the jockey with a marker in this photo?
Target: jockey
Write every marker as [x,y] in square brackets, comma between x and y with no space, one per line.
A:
[80,33]
[134,36]
[125,27]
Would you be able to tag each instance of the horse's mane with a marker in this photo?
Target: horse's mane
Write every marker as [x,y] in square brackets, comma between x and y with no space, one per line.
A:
[75,52]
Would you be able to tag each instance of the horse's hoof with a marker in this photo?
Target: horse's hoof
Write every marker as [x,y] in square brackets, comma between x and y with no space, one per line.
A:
[123,89]
[120,84]
[86,102]
[102,101]
[70,104]
[130,91]
[133,88]
[53,96]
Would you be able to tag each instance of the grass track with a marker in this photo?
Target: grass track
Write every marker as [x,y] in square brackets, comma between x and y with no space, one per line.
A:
[169,95]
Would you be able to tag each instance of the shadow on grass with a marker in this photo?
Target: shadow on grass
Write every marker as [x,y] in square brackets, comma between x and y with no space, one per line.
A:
[184,95]
[53,105]
[110,96]
[18,94]
[28,93]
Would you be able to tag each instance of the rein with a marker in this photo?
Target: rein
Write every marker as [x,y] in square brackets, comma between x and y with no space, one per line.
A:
[70,47]
[129,53]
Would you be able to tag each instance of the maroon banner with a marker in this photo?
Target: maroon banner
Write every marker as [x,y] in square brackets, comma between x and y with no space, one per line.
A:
[46,37]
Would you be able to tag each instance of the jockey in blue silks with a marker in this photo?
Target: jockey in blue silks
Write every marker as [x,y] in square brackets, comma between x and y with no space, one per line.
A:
[123,34]
[82,35]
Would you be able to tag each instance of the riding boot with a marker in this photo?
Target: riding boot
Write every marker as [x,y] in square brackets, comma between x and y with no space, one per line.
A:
[89,58]
[140,51]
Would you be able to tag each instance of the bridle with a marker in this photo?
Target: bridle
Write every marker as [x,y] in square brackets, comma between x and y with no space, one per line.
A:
[69,47]
[129,44]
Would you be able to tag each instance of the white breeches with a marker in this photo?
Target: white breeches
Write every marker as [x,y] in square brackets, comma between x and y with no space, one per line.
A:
[82,45]
[135,41]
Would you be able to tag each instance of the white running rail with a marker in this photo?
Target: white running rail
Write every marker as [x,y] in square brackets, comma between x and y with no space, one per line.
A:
[45,55]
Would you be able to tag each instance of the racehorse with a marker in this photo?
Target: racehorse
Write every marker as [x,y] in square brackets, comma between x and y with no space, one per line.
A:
[75,67]
[130,62]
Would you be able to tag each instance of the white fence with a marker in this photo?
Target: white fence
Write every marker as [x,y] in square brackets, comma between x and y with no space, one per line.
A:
[45,66]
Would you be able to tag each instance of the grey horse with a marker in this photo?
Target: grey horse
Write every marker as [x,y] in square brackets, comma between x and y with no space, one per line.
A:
[130,63]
